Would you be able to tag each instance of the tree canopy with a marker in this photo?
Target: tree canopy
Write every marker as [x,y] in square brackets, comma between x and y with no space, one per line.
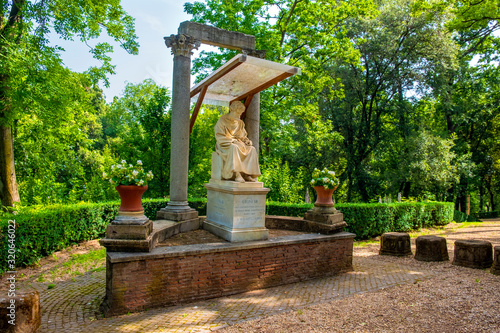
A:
[396,96]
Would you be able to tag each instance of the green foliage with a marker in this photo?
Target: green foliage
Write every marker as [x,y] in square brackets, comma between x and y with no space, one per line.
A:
[37,91]
[458,216]
[487,215]
[370,220]
[284,185]
[128,174]
[136,126]
[42,231]
[39,232]
[201,145]
[287,209]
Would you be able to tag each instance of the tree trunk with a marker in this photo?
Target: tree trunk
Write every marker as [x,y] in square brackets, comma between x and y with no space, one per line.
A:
[8,185]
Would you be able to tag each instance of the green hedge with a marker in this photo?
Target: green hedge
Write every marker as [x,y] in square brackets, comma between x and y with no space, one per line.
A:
[458,216]
[488,215]
[370,220]
[40,232]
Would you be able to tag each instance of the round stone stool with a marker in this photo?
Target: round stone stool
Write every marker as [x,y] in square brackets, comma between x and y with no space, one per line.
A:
[495,269]
[473,253]
[395,244]
[431,248]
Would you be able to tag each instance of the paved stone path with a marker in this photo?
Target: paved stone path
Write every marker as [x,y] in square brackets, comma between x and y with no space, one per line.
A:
[72,306]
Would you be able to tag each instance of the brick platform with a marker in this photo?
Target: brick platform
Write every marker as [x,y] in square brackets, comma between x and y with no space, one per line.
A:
[175,275]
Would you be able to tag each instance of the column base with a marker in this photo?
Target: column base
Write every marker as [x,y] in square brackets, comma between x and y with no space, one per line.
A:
[174,214]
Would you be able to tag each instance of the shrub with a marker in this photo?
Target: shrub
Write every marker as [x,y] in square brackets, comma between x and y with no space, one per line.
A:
[373,219]
[458,216]
[40,232]
[488,215]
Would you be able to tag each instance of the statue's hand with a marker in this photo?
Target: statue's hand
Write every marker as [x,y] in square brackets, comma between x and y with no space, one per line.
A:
[249,142]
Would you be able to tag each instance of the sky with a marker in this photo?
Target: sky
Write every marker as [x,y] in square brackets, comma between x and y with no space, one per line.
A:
[154,19]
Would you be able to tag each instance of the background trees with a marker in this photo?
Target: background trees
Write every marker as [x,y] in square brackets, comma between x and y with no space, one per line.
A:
[396,96]
[33,80]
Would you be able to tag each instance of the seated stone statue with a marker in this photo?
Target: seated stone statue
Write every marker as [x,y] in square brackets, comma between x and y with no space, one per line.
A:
[240,160]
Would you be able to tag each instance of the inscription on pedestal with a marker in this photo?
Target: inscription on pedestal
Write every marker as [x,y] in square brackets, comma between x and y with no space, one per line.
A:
[248,212]
[237,212]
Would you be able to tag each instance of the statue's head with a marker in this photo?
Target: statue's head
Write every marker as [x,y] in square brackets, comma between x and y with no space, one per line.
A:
[237,107]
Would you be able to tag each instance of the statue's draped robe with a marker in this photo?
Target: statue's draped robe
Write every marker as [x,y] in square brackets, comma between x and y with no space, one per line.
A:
[236,156]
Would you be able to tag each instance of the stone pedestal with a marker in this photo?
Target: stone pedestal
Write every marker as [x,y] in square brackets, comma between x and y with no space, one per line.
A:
[327,216]
[473,253]
[129,232]
[395,244]
[495,269]
[19,313]
[129,225]
[431,248]
[236,211]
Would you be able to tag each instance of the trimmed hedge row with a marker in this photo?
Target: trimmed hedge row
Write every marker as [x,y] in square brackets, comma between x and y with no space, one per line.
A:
[459,216]
[40,232]
[371,220]
[488,215]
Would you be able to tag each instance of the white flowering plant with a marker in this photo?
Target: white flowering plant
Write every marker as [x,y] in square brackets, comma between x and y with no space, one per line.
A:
[325,178]
[128,174]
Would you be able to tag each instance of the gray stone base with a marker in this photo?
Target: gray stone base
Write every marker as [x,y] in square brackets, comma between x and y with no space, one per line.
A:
[431,248]
[161,230]
[134,218]
[129,231]
[166,214]
[127,245]
[236,211]
[316,215]
[236,235]
[299,224]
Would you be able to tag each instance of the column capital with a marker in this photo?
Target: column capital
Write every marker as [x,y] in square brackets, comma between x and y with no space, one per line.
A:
[182,44]
[255,53]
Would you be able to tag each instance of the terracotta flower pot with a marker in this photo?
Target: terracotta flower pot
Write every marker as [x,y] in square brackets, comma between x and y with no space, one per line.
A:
[324,196]
[131,197]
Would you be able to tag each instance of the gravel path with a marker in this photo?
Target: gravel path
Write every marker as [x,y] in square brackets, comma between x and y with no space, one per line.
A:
[455,299]
[382,294]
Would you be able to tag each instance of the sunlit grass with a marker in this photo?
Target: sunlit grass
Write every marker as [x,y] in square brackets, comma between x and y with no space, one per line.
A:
[78,264]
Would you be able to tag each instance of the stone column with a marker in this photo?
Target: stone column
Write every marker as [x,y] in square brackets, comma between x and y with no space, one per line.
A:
[252,115]
[178,209]
[252,121]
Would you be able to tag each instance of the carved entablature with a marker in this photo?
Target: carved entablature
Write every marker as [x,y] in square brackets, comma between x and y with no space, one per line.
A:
[182,44]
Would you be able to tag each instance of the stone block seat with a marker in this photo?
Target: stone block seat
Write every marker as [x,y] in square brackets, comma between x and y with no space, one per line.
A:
[21,309]
[395,244]
[431,248]
[495,269]
[473,253]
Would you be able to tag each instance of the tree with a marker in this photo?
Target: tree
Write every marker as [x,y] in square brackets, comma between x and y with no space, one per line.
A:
[32,77]
[467,96]
[307,34]
[400,49]
[137,126]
